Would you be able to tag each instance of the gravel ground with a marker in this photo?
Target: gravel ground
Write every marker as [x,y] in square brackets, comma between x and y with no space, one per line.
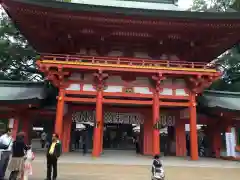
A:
[123,165]
[131,172]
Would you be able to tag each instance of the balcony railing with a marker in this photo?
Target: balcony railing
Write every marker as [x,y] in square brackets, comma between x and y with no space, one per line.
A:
[127,61]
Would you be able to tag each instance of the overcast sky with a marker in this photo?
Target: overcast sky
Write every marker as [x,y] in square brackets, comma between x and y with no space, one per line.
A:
[185,4]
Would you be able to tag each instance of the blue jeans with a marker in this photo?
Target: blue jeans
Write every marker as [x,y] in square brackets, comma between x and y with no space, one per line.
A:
[5,156]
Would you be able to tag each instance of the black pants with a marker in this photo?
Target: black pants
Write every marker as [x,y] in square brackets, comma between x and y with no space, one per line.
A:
[77,145]
[137,148]
[84,149]
[51,165]
[43,143]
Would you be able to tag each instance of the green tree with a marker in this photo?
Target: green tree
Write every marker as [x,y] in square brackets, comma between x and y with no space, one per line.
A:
[229,62]
[199,5]
[17,57]
[216,5]
[236,5]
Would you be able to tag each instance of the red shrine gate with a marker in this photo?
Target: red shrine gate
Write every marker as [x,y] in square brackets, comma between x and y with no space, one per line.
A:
[98,88]
[146,59]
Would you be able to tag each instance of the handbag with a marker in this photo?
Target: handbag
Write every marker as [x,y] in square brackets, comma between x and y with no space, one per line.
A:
[4,146]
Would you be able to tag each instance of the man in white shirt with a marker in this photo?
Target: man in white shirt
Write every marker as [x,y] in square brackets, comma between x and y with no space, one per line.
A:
[6,140]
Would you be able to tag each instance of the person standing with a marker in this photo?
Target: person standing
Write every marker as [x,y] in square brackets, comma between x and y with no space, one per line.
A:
[53,153]
[18,152]
[77,140]
[137,146]
[43,139]
[6,142]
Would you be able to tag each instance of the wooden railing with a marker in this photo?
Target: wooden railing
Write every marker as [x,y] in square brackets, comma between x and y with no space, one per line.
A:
[127,61]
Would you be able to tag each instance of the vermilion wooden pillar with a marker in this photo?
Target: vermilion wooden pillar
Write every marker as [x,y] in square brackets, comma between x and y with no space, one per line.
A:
[59,114]
[26,125]
[98,125]
[67,124]
[155,132]
[101,136]
[180,138]
[147,133]
[69,129]
[14,124]
[193,128]
[216,142]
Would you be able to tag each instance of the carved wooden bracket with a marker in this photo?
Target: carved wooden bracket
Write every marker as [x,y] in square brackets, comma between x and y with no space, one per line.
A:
[158,79]
[199,83]
[100,80]
[56,76]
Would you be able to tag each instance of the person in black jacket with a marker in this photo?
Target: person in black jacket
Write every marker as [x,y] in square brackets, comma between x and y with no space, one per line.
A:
[53,153]
[18,153]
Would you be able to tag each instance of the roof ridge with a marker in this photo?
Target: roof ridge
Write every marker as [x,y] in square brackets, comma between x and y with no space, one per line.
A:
[221,92]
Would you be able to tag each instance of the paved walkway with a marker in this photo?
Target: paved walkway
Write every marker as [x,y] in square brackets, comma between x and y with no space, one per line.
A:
[128,166]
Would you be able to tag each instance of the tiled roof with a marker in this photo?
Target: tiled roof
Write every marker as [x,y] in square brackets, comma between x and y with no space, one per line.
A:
[221,99]
[20,90]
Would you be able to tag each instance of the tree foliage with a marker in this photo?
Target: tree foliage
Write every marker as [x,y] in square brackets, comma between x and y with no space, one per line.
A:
[207,5]
[229,62]
[236,5]
[17,57]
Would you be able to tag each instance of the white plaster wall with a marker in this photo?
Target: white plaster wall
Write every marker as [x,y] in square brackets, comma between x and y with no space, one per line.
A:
[114,89]
[181,92]
[117,85]
[166,91]
[74,87]
[88,87]
[142,90]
